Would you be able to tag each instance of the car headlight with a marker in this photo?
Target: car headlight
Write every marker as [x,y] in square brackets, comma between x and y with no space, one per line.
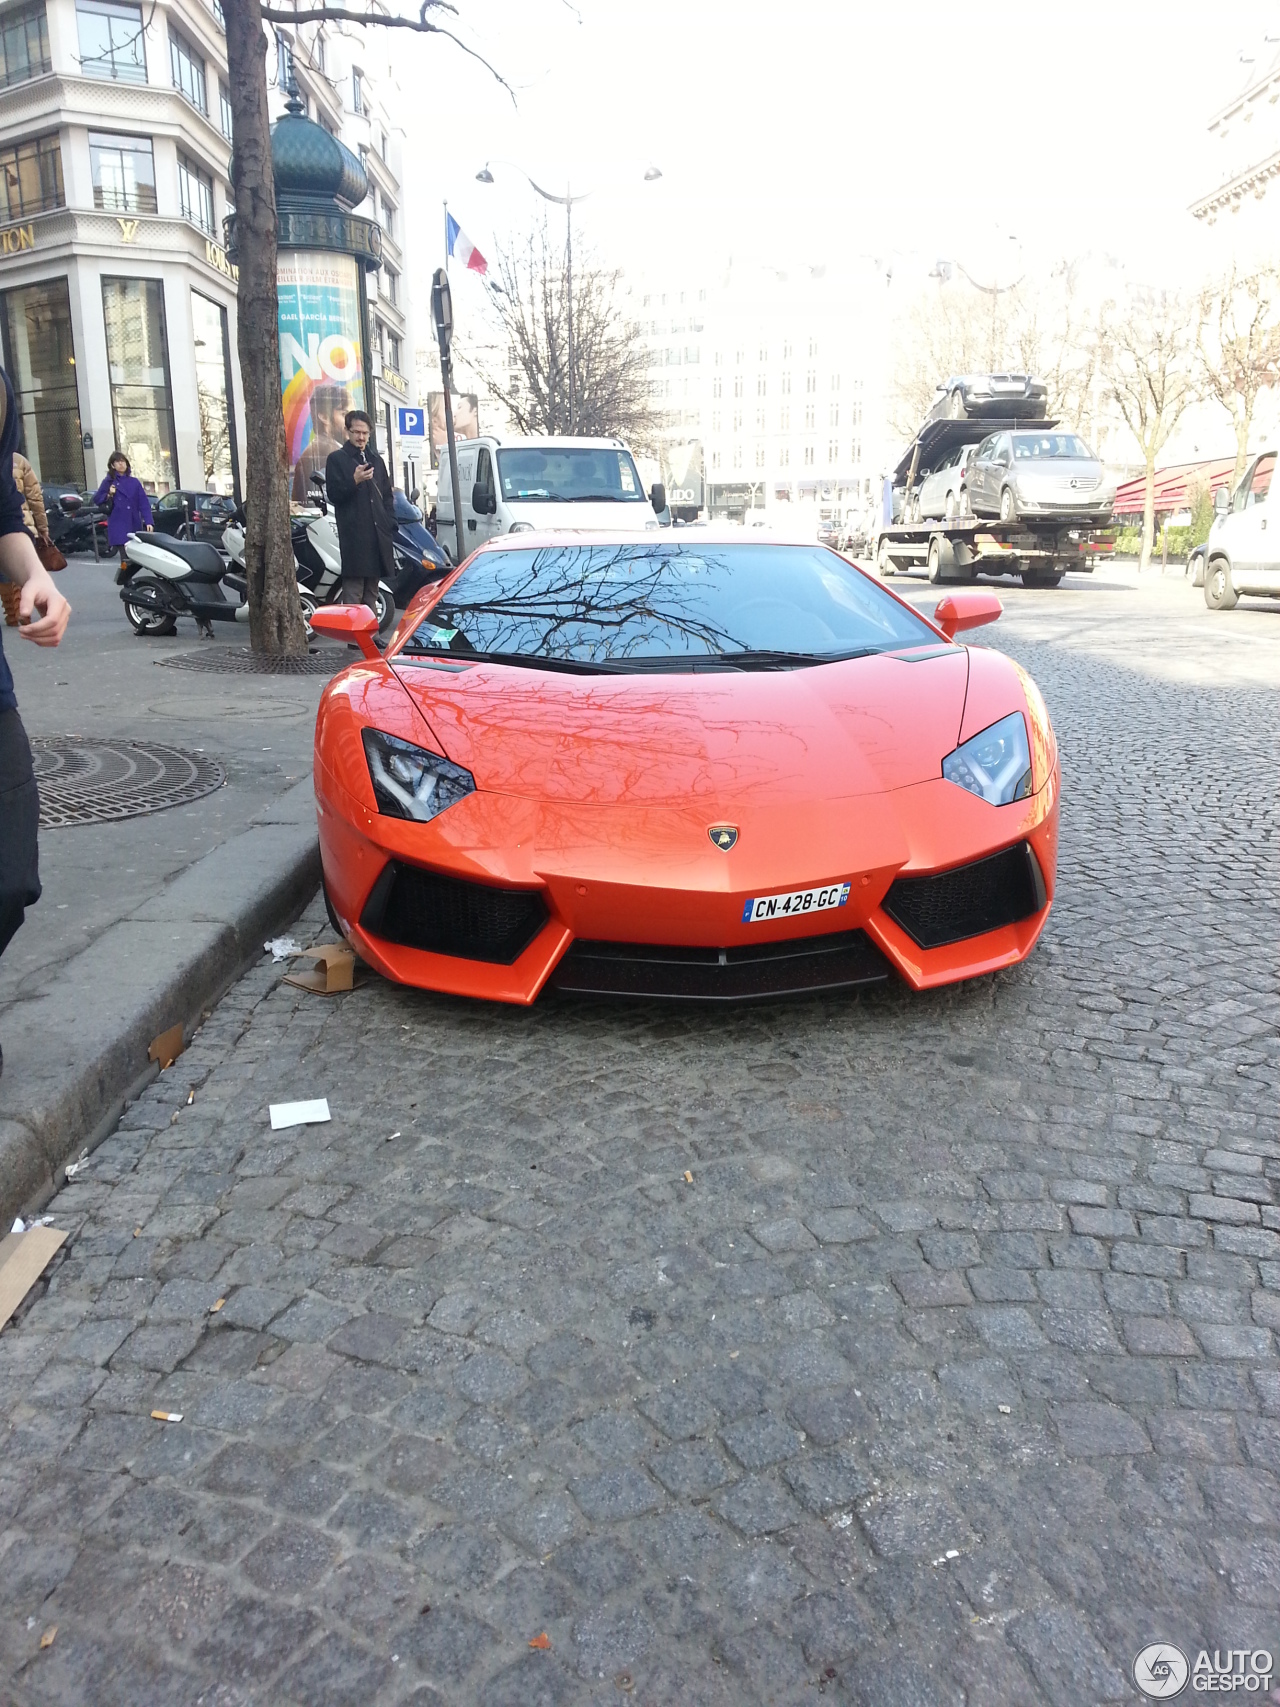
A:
[521,527]
[995,764]
[409,781]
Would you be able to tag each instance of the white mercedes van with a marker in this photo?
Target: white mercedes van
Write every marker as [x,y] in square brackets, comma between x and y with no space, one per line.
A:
[510,485]
[1243,550]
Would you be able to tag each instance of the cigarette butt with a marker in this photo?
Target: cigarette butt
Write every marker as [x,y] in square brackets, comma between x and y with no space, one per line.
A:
[192,1096]
[167,1416]
[216,1306]
[733,1354]
[391,1135]
[46,1641]
[688,1177]
[137,1232]
[1004,1410]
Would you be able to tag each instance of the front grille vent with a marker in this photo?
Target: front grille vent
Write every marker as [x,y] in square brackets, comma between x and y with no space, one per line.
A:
[447,915]
[968,900]
[798,966]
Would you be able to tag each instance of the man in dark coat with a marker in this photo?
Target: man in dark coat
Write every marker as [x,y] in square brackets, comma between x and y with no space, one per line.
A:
[363,499]
[42,617]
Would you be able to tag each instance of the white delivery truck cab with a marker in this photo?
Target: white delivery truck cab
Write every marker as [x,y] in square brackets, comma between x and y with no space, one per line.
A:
[1243,551]
[511,485]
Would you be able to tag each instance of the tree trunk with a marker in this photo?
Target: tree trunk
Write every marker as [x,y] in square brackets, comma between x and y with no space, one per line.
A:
[1244,426]
[1148,512]
[275,619]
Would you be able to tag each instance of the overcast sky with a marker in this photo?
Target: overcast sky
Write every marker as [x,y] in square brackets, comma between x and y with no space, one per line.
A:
[823,130]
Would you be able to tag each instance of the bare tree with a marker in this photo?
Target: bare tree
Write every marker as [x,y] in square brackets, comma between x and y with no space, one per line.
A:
[610,391]
[275,620]
[1239,347]
[952,327]
[1147,354]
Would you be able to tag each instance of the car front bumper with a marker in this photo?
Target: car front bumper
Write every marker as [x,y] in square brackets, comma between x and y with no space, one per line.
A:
[623,885]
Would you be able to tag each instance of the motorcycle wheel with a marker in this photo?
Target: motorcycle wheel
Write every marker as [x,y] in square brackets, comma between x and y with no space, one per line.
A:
[309,606]
[385,611]
[148,622]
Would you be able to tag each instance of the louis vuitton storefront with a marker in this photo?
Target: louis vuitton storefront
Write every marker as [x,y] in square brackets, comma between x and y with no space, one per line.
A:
[120,332]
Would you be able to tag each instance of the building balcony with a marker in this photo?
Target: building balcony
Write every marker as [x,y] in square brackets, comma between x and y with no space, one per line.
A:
[153,109]
[1228,197]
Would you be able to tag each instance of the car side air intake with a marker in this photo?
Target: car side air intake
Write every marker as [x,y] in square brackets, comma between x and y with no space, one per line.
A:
[968,900]
[447,915]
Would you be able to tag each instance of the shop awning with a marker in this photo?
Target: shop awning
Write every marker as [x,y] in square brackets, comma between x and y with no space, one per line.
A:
[1173,486]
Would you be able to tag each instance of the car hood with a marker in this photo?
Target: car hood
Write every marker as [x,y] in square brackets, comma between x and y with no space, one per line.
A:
[768,738]
[1058,471]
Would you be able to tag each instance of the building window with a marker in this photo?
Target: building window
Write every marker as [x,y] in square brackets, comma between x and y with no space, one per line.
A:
[808,414]
[188,71]
[219,15]
[832,451]
[716,386]
[217,423]
[785,420]
[762,386]
[737,456]
[357,92]
[856,452]
[284,61]
[835,414]
[786,350]
[715,420]
[391,285]
[30,178]
[786,385]
[759,456]
[325,122]
[715,459]
[784,457]
[393,351]
[195,195]
[835,382]
[24,45]
[111,41]
[39,355]
[737,385]
[382,144]
[760,419]
[124,173]
[813,348]
[737,420]
[318,52]
[388,217]
[224,109]
[138,365]
[808,456]
[811,381]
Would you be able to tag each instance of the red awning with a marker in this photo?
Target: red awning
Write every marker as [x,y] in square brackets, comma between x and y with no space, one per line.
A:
[1173,486]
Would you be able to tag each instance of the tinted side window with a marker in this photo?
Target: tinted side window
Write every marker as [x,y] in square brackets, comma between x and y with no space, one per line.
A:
[484,470]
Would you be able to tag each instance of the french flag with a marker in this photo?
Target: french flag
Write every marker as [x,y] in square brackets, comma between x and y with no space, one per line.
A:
[461,248]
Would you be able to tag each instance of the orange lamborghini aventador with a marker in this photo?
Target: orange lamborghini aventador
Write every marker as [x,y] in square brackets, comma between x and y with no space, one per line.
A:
[681,765]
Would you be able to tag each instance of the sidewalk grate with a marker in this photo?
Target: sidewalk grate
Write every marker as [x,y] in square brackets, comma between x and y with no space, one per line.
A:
[241,660]
[87,781]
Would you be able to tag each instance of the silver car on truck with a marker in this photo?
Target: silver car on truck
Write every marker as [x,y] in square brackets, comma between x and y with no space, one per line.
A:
[1043,476]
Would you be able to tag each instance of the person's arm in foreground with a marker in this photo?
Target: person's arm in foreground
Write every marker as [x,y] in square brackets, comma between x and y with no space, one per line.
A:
[43,613]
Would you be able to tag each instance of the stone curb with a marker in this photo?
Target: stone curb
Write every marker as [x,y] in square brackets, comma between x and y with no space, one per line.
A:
[77,1050]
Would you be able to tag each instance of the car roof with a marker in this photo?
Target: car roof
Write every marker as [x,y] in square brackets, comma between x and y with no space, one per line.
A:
[694,537]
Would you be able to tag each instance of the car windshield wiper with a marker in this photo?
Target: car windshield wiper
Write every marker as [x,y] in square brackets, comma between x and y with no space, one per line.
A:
[765,660]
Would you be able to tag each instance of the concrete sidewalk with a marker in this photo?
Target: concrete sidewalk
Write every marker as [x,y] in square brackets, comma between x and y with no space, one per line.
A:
[146,920]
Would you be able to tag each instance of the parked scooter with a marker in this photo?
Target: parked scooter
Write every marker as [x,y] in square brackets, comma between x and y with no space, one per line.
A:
[163,578]
[419,559]
[318,560]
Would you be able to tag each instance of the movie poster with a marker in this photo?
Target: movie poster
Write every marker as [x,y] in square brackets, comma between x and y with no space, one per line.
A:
[321,373]
[466,420]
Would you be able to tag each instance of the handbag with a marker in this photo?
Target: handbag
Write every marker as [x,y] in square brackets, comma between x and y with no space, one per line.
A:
[49,554]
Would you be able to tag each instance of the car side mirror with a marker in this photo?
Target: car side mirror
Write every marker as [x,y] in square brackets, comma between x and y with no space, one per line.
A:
[484,500]
[1221,501]
[348,622]
[658,497]
[961,610]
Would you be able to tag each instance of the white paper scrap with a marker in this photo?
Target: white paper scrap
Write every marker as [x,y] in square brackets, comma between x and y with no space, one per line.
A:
[282,948]
[298,1113]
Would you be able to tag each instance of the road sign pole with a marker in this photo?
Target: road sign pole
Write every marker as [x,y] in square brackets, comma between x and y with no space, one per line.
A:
[442,311]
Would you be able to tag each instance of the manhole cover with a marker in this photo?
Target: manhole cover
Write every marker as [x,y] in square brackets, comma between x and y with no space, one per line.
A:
[242,660]
[83,781]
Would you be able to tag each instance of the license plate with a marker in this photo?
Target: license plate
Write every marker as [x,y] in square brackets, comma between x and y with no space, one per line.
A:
[798,901]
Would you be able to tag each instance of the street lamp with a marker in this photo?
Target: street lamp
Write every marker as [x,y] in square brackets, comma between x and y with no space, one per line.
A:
[566,201]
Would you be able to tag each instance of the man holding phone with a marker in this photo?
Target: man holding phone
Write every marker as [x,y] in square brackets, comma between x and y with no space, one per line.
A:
[42,618]
[363,499]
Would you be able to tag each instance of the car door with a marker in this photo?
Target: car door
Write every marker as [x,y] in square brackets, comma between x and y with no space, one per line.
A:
[466,479]
[486,525]
[979,469]
[1253,531]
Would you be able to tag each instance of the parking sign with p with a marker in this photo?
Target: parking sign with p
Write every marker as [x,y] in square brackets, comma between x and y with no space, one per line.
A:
[413,423]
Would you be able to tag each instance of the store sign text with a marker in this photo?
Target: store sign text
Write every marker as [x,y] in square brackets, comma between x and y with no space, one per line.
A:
[15,238]
[217,258]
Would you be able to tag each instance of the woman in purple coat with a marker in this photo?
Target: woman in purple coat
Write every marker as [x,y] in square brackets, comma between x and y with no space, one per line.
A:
[126,501]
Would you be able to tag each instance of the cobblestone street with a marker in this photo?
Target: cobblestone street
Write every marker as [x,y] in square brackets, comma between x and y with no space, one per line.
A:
[916,1351]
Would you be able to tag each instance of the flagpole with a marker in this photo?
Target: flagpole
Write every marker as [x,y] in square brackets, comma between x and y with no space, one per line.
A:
[446,235]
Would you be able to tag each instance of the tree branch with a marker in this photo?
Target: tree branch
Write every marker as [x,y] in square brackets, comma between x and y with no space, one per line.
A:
[345,15]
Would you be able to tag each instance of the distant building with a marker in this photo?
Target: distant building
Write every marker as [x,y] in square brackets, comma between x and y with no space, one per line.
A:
[1244,138]
[777,376]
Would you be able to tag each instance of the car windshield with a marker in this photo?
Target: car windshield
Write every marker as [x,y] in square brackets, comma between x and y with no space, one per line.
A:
[1038,445]
[666,606]
[558,474]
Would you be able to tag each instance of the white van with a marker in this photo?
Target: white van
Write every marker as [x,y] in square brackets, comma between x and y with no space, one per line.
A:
[1243,552]
[510,485]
